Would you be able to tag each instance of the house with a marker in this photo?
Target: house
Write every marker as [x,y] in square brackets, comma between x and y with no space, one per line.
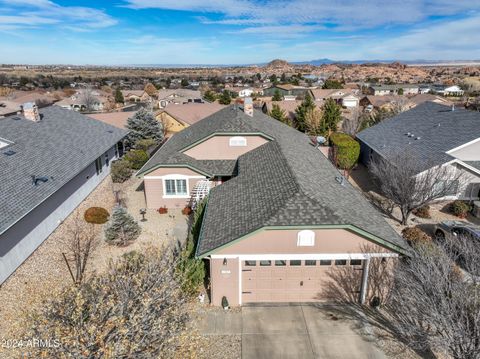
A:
[241,91]
[178,96]
[8,107]
[177,117]
[279,217]
[78,101]
[285,90]
[451,91]
[52,159]
[286,105]
[343,97]
[384,102]
[437,136]
[397,89]
[421,98]
[136,96]
[117,118]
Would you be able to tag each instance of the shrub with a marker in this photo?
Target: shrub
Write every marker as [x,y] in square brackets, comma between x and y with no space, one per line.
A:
[163,210]
[422,212]
[347,150]
[96,215]
[121,228]
[415,235]
[145,144]
[120,171]
[460,208]
[187,211]
[136,158]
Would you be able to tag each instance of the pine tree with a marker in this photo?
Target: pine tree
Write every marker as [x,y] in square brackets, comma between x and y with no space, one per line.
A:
[209,96]
[121,228]
[278,114]
[301,111]
[225,99]
[144,125]
[119,96]
[331,115]
[277,96]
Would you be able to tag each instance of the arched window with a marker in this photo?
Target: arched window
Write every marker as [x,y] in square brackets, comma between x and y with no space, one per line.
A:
[306,238]
[238,141]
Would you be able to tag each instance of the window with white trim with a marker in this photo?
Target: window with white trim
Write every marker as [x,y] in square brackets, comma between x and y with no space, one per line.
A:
[176,187]
[306,238]
[237,141]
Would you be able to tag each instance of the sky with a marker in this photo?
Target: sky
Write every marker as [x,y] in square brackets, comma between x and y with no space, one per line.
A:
[128,32]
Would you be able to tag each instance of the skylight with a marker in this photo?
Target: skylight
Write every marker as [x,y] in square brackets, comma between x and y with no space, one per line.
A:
[4,143]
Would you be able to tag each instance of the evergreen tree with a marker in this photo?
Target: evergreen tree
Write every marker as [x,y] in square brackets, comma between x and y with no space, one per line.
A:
[209,96]
[119,96]
[331,115]
[225,98]
[332,84]
[121,228]
[283,78]
[301,111]
[150,89]
[278,114]
[184,83]
[144,125]
[273,79]
[277,96]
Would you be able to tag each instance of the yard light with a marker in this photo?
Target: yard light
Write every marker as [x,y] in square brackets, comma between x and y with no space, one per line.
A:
[142,212]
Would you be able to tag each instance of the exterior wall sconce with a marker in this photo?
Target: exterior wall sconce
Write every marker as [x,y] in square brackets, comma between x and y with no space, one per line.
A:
[224,261]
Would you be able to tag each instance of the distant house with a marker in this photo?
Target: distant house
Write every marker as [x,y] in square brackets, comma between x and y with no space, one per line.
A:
[288,106]
[136,96]
[53,159]
[242,91]
[285,90]
[436,136]
[341,96]
[166,97]
[451,91]
[117,118]
[383,90]
[178,117]
[77,102]
[421,98]
[384,102]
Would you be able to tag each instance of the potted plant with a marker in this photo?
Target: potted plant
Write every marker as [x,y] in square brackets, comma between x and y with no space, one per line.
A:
[187,211]
[163,210]
[225,303]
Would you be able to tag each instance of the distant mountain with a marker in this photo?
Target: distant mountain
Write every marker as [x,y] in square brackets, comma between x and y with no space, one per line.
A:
[326,61]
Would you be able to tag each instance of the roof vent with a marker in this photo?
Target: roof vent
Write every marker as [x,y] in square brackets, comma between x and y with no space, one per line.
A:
[407,134]
[418,138]
[9,153]
[340,179]
[16,118]
[453,107]
[36,179]
[110,131]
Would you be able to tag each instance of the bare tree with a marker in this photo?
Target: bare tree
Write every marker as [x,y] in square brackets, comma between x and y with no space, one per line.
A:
[89,99]
[404,181]
[353,123]
[400,104]
[135,310]
[79,242]
[435,304]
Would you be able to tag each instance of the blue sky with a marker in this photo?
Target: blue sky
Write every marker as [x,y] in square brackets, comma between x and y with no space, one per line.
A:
[235,31]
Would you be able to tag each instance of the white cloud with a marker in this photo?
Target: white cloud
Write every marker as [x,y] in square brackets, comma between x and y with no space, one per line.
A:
[19,14]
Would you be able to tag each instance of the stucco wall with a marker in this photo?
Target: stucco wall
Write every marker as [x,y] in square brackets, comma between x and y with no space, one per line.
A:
[153,183]
[21,240]
[285,242]
[173,126]
[218,148]
[224,279]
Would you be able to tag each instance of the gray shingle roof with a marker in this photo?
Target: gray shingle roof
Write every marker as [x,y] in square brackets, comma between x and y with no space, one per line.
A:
[60,146]
[439,130]
[286,181]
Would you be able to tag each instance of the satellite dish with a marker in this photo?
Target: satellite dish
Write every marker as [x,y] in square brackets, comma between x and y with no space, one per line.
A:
[321,140]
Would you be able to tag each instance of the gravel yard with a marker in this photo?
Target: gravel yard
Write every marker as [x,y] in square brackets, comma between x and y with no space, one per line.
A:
[44,273]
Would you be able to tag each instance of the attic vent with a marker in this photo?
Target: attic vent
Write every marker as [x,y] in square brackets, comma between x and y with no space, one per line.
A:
[110,131]
[36,180]
[16,118]
[9,153]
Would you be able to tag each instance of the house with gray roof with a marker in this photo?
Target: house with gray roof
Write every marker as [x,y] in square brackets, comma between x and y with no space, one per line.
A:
[278,217]
[436,135]
[51,159]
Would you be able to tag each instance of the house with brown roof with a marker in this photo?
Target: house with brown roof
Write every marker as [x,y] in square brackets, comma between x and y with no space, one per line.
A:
[177,117]
[343,97]
[285,90]
[286,105]
[117,118]
[136,96]
[279,217]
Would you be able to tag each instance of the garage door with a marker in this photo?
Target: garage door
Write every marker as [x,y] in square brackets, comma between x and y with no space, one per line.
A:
[288,280]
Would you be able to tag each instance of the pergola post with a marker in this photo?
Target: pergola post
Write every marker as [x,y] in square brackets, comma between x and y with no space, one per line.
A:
[364,288]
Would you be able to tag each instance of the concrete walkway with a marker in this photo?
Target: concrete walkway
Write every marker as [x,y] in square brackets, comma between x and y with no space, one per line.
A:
[292,331]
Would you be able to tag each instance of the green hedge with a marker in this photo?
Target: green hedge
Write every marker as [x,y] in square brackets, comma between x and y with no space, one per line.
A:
[346,148]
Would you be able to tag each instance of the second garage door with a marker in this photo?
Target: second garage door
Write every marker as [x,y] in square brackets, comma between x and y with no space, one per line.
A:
[288,280]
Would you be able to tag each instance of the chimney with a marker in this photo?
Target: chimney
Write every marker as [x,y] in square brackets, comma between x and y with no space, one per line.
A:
[30,111]
[248,106]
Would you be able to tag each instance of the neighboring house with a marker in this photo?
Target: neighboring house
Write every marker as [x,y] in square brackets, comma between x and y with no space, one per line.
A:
[379,102]
[451,91]
[279,216]
[177,117]
[117,119]
[341,96]
[136,96]
[288,106]
[285,90]
[8,107]
[421,98]
[382,90]
[436,136]
[77,102]
[51,159]
[177,97]
[241,91]
[41,99]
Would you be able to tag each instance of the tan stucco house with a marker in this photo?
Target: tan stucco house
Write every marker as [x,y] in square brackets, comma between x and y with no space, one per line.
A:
[279,217]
